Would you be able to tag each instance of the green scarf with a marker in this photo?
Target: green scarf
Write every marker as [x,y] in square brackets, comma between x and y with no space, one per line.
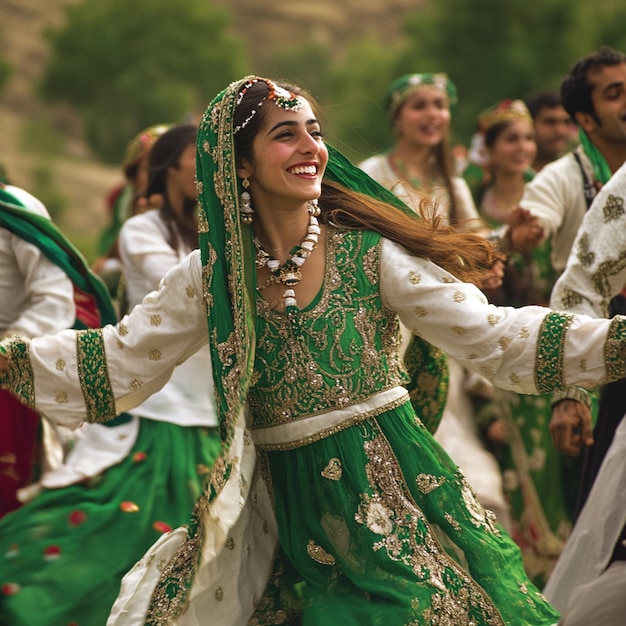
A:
[601,170]
[402,87]
[41,232]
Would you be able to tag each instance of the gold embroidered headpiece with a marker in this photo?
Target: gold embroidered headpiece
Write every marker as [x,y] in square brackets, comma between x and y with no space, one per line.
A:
[503,111]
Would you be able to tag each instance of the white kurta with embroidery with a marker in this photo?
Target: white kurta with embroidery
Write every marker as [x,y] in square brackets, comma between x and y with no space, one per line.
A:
[595,272]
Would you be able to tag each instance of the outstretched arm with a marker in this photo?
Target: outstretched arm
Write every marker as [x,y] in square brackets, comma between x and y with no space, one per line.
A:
[93,375]
[527,350]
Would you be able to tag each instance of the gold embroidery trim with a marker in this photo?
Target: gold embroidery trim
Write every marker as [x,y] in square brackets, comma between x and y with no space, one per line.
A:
[352,420]
[318,554]
[93,374]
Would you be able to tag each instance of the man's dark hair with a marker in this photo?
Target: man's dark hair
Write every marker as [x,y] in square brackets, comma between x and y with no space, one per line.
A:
[576,88]
[541,100]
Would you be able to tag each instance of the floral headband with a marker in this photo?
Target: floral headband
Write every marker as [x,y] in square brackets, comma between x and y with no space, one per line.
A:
[503,111]
[401,88]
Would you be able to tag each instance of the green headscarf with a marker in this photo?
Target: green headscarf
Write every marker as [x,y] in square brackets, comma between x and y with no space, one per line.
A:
[402,87]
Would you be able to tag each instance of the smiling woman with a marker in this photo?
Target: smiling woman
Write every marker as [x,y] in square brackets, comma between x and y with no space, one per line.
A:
[282,169]
[330,499]
[419,108]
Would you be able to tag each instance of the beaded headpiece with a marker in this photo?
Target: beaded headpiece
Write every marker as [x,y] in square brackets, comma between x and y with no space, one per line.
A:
[401,88]
[503,111]
[280,96]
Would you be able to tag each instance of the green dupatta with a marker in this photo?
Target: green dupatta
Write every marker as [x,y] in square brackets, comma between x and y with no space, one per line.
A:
[93,304]
[601,169]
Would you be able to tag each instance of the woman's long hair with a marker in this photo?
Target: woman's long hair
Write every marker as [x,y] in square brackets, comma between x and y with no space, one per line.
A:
[465,255]
[166,153]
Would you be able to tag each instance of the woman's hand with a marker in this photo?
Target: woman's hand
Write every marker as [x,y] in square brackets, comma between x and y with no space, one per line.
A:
[524,233]
[494,277]
[4,363]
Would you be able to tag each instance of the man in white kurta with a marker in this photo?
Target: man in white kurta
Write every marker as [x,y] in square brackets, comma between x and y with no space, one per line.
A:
[589,579]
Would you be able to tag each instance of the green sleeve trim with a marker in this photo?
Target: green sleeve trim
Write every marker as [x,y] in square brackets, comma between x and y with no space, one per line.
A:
[572,393]
[94,376]
[615,349]
[550,350]
[19,379]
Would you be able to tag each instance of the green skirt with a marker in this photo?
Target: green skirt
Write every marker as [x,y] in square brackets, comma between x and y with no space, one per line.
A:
[378,526]
[63,555]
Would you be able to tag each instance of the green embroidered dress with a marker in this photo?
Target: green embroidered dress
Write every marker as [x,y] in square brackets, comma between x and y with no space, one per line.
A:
[380,497]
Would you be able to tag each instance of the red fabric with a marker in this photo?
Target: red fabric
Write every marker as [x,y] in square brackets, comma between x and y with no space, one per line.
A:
[86,309]
[19,448]
[113,196]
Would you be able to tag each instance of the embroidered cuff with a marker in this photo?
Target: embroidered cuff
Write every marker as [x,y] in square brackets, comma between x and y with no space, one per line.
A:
[19,377]
[572,393]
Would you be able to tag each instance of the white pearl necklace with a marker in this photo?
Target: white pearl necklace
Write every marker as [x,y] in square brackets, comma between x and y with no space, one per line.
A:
[288,273]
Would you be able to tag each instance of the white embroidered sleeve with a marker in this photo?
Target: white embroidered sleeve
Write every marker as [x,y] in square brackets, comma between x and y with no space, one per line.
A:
[529,350]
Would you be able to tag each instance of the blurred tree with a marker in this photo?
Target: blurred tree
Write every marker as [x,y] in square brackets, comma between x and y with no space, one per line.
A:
[359,80]
[125,66]
[5,73]
[300,65]
[5,69]
[493,49]
[349,88]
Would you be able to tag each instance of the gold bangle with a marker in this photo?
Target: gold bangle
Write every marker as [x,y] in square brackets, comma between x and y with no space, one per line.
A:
[572,393]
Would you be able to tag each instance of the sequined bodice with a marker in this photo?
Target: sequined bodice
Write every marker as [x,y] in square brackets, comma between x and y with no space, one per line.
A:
[338,351]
